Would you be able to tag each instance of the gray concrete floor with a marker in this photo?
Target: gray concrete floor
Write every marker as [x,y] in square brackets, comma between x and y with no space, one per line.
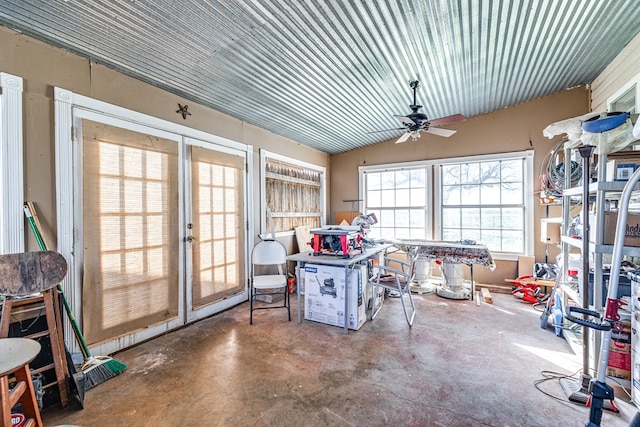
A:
[461,364]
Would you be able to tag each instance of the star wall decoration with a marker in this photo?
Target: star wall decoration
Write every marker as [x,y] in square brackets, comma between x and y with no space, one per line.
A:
[184,110]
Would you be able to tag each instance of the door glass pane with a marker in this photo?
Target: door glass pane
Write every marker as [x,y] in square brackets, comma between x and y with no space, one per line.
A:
[130,231]
[218,225]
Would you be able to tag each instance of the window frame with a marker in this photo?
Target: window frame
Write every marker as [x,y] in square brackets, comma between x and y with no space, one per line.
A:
[426,164]
[528,193]
[12,194]
[264,156]
[633,83]
[434,184]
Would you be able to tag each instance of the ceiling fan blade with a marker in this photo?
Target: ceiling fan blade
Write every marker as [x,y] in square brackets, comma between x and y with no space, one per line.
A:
[404,137]
[448,119]
[406,120]
[440,131]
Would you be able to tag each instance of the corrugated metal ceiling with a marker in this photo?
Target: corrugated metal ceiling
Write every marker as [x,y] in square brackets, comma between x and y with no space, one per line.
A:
[326,73]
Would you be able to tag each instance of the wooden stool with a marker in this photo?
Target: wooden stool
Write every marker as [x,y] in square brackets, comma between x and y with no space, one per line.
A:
[27,273]
[17,353]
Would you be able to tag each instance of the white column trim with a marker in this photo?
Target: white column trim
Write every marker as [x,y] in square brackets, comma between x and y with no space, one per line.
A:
[11,165]
[63,101]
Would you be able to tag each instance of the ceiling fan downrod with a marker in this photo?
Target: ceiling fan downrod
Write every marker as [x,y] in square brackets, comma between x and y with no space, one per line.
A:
[415,84]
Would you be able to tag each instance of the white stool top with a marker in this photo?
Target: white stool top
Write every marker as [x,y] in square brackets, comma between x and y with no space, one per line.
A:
[16,352]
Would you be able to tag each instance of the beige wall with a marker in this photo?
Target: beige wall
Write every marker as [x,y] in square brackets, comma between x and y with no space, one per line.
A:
[515,128]
[43,67]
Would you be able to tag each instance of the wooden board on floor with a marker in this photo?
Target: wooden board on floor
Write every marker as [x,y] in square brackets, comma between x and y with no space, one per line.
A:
[496,288]
[486,295]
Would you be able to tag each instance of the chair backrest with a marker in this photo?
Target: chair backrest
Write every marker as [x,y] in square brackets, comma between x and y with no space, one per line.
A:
[31,272]
[269,252]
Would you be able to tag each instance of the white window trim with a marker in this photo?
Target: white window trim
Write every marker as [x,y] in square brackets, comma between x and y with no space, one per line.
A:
[11,165]
[264,155]
[635,80]
[528,195]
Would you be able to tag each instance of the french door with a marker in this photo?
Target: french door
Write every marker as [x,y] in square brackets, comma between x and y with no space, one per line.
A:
[163,229]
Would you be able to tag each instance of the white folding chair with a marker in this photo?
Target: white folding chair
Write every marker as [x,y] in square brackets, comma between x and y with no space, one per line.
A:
[269,255]
[395,275]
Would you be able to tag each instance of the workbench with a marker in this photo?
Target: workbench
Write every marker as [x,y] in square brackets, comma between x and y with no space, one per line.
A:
[449,252]
[303,258]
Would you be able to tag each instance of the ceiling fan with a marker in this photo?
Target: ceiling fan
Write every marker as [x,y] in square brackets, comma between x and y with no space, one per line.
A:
[416,122]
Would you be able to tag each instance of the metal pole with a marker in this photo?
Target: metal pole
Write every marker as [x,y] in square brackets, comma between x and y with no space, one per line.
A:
[585,152]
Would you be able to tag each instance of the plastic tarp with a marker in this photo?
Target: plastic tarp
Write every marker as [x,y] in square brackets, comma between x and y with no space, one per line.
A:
[605,142]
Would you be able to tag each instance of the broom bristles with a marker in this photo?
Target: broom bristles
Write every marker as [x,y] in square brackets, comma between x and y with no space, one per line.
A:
[98,369]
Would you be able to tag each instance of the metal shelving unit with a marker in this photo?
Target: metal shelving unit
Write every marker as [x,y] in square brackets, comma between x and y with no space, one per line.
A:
[603,191]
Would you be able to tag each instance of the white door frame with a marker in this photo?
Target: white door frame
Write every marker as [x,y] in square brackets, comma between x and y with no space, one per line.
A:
[70,108]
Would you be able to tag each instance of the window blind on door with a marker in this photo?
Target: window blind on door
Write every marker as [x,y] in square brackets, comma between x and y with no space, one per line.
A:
[130,231]
[218,225]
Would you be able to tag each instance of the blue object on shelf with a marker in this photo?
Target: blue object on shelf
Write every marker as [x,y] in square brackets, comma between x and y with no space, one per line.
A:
[557,315]
[599,124]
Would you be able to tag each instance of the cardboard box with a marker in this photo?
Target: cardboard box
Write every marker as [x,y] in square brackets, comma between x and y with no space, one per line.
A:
[632,229]
[525,265]
[621,169]
[325,293]
[550,230]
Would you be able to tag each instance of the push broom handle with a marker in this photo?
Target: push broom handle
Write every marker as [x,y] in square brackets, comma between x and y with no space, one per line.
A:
[72,319]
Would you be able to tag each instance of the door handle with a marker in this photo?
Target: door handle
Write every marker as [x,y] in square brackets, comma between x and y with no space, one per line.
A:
[191,238]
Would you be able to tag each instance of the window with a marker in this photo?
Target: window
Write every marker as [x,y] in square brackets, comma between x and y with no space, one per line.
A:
[487,199]
[11,173]
[399,197]
[626,102]
[293,194]
[625,98]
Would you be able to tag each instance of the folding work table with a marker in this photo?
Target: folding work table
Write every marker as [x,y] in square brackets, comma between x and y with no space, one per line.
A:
[451,252]
[303,258]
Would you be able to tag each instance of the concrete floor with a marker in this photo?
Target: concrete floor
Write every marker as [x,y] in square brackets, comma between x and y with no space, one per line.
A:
[459,365]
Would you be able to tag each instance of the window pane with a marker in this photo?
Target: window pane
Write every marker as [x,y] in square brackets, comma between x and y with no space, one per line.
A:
[373,181]
[489,197]
[512,241]
[490,218]
[470,217]
[512,193]
[470,195]
[417,218]
[451,217]
[418,197]
[512,170]
[402,179]
[401,190]
[512,219]
[387,180]
[450,175]
[450,195]
[490,172]
[470,173]
[451,234]
[490,194]
[402,218]
[403,197]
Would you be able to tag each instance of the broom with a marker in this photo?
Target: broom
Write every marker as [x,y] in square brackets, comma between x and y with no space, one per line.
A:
[95,369]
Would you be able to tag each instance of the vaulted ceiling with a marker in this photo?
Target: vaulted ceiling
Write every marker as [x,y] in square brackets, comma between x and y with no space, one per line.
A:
[331,74]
